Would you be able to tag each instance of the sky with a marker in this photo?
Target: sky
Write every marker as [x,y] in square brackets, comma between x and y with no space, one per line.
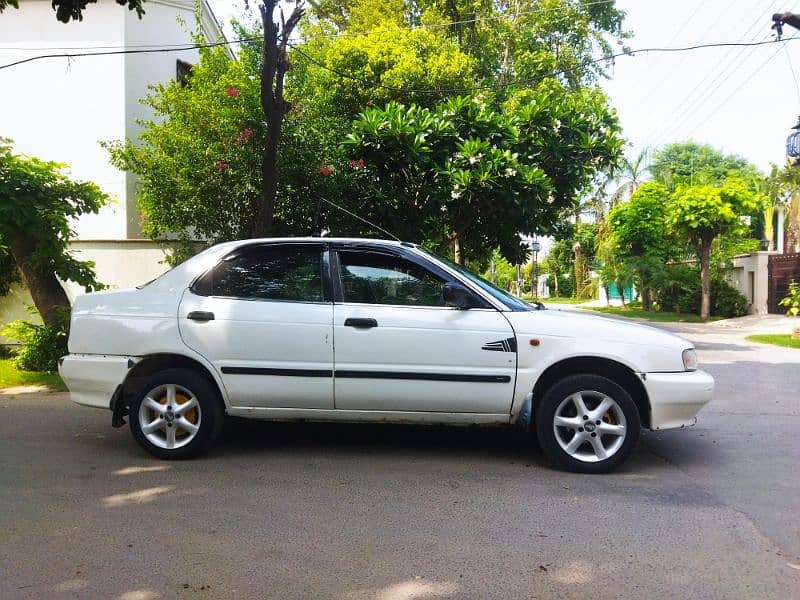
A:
[741,100]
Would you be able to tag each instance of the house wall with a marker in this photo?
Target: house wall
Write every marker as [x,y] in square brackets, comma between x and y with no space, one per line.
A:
[56,109]
[165,22]
[59,110]
[750,277]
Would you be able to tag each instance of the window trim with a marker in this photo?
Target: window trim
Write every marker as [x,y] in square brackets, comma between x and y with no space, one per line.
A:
[336,274]
[324,271]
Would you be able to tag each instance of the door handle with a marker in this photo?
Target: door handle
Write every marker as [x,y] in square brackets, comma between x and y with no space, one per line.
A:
[200,315]
[360,323]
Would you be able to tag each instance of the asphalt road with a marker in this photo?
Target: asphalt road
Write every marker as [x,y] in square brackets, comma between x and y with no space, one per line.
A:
[374,511]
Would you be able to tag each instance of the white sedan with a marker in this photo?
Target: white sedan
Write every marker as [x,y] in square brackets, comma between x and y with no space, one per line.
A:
[364,330]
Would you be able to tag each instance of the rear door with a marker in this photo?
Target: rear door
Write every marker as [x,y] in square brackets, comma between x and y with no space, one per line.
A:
[263,317]
[399,348]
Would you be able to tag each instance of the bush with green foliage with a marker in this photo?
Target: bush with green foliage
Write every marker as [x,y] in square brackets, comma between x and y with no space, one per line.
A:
[41,345]
[792,300]
[680,292]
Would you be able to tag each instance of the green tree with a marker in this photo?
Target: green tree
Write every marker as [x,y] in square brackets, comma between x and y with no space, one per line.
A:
[558,263]
[518,40]
[467,174]
[638,230]
[72,10]
[37,203]
[9,274]
[689,163]
[702,213]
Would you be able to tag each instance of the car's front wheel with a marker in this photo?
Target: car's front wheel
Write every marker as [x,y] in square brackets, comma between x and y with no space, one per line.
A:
[177,414]
[587,423]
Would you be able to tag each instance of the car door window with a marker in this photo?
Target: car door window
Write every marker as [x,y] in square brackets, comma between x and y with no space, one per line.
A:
[288,273]
[382,278]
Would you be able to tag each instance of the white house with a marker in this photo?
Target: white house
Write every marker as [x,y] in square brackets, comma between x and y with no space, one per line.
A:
[61,108]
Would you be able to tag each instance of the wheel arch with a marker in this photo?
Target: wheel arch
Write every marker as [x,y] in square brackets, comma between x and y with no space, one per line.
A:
[153,363]
[619,373]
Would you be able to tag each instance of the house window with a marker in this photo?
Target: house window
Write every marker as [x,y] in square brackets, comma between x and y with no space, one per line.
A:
[183,70]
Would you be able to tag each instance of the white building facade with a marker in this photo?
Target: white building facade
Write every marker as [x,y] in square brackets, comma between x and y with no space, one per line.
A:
[60,109]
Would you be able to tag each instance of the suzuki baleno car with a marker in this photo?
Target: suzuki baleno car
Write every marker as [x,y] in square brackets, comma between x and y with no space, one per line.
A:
[364,330]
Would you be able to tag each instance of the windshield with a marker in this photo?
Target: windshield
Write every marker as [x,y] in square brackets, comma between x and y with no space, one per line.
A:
[511,302]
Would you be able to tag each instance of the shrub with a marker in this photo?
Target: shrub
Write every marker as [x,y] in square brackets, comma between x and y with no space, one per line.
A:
[42,346]
[679,291]
[792,300]
[726,301]
[566,285]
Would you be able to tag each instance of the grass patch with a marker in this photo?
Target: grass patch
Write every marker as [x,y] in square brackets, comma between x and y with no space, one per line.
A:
[11,377]
[777,339]
[657,317]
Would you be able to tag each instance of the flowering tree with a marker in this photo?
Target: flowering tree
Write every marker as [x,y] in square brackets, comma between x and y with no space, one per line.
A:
[200,158]
[472,176]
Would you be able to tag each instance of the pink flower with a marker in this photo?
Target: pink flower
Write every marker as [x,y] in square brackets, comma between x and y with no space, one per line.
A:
[222,165]
[232,92]
[244,136]
[325,170]
[358,164]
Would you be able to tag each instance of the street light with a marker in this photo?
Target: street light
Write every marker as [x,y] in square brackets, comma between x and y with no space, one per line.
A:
[535,247]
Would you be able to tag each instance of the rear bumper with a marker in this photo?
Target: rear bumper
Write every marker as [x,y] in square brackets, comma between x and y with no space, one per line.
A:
[92,378]
[676,398]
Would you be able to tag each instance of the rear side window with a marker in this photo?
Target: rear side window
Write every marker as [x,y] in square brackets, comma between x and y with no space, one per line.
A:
[289,273]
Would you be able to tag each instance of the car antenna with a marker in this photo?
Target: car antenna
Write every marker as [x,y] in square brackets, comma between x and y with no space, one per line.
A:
[370,223]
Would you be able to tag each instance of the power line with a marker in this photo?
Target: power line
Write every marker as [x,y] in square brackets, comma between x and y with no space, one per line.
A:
[736,90]
[662,80]
[134,51]
[605,58]
[449,24]
[794,75]
[557,72]
[726,65]
[722,79]
[445,25]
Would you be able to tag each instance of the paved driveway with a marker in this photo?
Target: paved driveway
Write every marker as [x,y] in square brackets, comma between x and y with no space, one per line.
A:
[372,511]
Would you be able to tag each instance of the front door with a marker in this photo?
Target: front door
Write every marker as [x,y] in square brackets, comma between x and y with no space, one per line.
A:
[399,348]
[264,320]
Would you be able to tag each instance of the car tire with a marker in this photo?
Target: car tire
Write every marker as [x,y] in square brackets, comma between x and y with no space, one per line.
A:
[587,424]
[176,414]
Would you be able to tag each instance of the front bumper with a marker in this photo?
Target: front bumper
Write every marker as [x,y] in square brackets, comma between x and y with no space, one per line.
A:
[675,398]
[92,378]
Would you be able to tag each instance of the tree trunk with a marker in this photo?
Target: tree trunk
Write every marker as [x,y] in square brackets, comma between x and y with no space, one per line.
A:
[273,70]
[578,269]
[457,255]
[704,253]
[48,295]
[647,298]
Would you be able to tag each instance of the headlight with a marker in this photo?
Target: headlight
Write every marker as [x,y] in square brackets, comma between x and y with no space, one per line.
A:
[690,359]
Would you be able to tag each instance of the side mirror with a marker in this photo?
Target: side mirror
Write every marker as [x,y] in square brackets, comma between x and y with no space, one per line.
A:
[458,296]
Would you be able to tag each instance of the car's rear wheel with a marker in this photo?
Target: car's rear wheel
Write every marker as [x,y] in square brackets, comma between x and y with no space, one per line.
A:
[587,423]
[177,414]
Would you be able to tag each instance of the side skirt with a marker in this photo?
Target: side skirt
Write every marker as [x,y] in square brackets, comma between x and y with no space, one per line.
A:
[379,416]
